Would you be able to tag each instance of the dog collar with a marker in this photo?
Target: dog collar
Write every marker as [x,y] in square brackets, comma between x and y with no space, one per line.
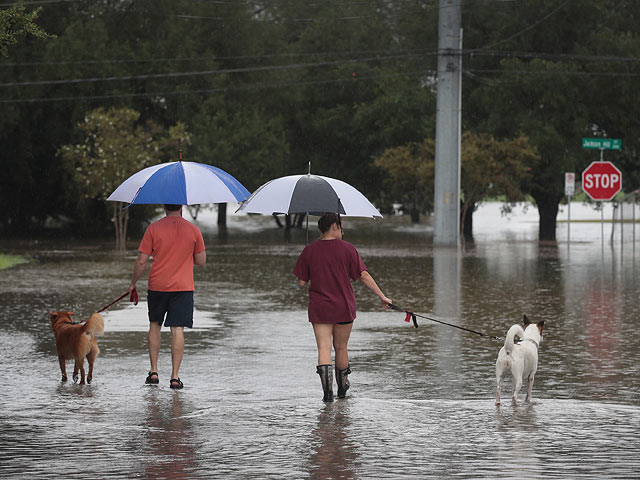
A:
[532,341]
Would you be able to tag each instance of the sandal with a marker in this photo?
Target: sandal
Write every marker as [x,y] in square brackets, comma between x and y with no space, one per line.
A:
[175,383]
[151,380]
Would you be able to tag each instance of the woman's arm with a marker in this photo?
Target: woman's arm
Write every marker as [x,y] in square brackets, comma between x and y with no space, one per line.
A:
[371,284]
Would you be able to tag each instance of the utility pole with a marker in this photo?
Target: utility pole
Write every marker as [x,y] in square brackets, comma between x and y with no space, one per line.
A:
[447,171]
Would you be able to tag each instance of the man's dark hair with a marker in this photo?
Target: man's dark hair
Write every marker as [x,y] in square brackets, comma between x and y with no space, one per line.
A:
[327,219]
[171,207]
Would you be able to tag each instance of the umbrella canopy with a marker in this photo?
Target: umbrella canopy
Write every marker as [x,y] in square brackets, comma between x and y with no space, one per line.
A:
[310,194]
[180,183]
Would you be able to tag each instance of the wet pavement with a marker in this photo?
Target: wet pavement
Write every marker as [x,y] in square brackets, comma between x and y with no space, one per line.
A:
[422,402]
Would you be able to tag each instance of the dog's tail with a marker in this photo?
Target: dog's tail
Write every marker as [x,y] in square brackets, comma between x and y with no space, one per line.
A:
[509,342]
[95,325]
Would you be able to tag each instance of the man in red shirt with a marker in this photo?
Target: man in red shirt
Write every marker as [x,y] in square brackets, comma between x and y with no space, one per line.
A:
[330,265]
[176,245]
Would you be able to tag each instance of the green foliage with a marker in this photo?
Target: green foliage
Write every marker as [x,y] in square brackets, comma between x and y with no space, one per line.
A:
[408,176]
[266,87]
[115,145]
[492,168]
[7,261]
[246,142]
[16,22]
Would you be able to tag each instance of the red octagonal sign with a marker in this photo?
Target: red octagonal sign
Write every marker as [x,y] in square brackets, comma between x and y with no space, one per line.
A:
[601,180]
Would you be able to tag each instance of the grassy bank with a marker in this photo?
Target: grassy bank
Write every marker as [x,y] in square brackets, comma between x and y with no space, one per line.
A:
[7,261]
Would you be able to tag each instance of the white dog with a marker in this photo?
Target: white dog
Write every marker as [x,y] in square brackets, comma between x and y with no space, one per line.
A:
[521,357]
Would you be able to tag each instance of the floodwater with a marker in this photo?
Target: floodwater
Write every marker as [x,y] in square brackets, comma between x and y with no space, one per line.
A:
[422,402]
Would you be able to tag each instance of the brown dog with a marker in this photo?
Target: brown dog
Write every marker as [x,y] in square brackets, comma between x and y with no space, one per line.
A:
[75,341]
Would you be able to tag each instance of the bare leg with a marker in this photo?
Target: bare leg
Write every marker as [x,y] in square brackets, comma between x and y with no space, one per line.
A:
[341,334]
[323,332]
[153,339]
[177,349]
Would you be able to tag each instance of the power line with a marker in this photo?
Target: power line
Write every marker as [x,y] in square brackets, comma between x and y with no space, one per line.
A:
[205,72]
[548,56]
[219,90]
[419,52]
[548,72]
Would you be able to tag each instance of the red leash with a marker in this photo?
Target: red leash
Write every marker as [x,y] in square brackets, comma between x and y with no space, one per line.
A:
[133,298]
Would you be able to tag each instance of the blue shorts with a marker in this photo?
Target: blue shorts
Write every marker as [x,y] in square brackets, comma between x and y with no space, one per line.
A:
[177,306]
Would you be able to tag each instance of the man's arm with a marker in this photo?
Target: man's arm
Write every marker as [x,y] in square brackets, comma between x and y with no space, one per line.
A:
[138,270]
[200,258]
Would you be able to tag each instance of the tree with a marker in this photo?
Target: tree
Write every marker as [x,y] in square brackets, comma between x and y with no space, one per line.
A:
[245,141]
[550,79]
[408,176]
[16,22]
[114,146]
[360,93]
[492,168]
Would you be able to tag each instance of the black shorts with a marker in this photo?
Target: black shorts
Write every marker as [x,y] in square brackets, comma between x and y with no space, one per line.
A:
[177,306]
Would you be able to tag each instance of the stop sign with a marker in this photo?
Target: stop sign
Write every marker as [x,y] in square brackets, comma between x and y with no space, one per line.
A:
[601,180]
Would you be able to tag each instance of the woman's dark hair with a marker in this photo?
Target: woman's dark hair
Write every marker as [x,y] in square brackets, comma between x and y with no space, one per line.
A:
[328,219]
[172,208]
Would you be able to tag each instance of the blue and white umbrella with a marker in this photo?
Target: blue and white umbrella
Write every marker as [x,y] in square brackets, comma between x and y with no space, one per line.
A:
[180,183]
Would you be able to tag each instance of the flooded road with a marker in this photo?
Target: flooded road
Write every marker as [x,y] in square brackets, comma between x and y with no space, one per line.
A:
[422,402]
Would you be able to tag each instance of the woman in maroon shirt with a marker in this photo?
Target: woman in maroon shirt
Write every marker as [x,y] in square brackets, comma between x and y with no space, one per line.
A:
[329,265]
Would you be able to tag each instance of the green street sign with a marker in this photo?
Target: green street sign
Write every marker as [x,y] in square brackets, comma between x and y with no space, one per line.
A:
[602,143]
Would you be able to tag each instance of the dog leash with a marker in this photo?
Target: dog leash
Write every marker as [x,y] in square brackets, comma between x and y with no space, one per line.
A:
[133,298]
[412,316]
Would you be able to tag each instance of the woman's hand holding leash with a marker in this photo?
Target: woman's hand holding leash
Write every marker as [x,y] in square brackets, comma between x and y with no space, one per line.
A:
[410,315]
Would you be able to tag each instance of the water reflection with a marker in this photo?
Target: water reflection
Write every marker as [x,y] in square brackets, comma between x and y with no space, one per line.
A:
[168,442]
[446,287]
[334,452]
[602,328]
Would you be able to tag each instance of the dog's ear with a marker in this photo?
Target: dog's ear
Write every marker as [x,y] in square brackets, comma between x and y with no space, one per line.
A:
[540,325]
[526,320]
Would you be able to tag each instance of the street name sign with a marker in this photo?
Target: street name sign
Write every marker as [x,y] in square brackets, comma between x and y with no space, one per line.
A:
[601,181]
[602,143]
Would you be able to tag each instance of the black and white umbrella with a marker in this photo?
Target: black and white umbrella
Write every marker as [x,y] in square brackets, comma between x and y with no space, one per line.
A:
[310,194]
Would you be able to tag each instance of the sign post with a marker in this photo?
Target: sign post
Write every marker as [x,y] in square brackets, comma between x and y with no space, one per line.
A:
[569,190]
[602,180]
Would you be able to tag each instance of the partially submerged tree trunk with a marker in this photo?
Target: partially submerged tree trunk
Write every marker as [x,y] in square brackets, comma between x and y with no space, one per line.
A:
[120,222]
[548,210]
[466,220]
[222,214]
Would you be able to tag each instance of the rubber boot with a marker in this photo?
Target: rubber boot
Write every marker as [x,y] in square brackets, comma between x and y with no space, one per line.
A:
[326,378]
[343,381]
